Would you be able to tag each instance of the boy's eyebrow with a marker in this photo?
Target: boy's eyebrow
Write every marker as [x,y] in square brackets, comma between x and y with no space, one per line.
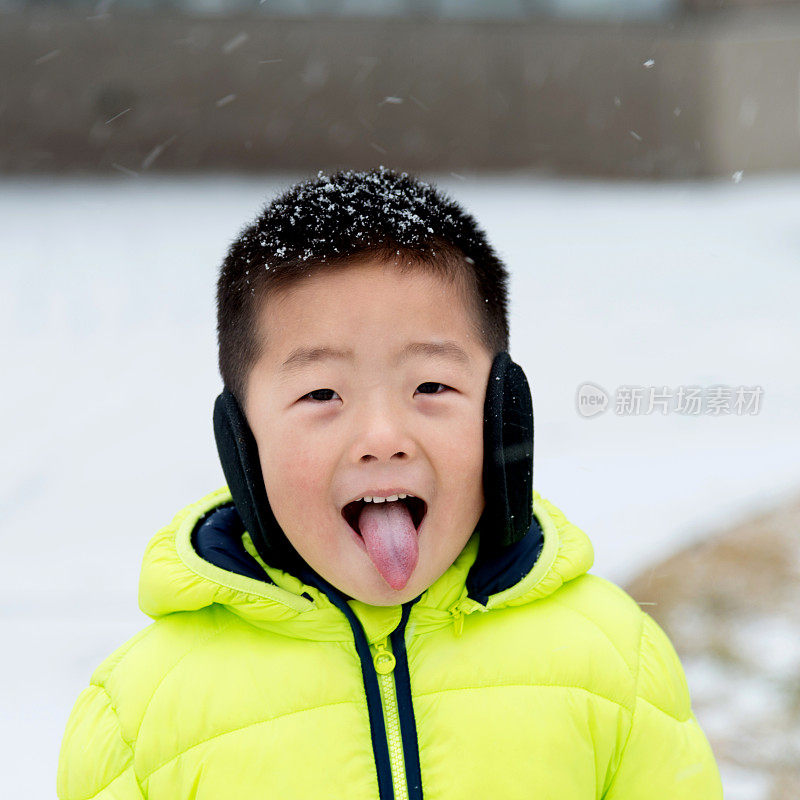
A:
[303,356]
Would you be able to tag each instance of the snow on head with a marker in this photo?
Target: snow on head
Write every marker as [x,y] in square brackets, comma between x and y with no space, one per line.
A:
[349,212]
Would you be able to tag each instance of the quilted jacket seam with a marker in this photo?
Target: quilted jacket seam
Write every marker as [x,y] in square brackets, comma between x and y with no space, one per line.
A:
[241,728]
[635,705]
[108,783]
[122,654]
[650,702]
[127,744]
[606,636]
[666,713]
[195,646]
[529,686]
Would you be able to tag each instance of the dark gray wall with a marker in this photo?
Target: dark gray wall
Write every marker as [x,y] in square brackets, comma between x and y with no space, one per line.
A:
[257,93]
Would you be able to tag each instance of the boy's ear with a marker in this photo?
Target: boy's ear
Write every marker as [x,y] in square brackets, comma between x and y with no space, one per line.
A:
[238,454]
[507,456]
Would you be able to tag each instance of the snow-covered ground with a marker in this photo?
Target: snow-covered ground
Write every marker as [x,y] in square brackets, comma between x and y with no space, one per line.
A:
[109,366]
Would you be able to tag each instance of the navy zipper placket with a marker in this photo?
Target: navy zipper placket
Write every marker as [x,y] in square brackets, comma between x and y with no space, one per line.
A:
[398,662]
[408,723]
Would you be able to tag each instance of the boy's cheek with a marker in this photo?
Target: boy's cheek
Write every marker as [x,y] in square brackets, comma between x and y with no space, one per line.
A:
[467,447]
[298,478]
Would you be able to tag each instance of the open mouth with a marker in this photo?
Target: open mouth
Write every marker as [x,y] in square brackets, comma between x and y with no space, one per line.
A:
[415,505]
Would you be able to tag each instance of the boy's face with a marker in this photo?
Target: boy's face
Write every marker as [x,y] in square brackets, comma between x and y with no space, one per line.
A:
[330,430]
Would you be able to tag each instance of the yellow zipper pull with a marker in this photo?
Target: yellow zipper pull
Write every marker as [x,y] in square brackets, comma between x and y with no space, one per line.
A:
[460,609]
[384,660]
[458,623]
[458,617]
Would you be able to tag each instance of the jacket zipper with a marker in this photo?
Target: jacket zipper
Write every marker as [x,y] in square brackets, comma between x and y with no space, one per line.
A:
[384,663]
[385,705]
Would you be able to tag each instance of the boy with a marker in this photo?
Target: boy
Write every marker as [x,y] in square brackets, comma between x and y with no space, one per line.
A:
[378,605]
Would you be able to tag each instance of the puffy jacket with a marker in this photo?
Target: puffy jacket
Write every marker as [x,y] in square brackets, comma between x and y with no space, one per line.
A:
[522,677]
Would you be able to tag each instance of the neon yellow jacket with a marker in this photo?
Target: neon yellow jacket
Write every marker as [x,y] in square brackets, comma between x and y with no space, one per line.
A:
[557,686]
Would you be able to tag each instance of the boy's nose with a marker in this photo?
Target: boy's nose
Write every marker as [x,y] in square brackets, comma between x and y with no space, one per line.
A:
[382,436]
[369,457]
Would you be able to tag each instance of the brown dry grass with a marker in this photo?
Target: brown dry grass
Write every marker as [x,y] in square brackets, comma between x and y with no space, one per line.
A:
[731,606]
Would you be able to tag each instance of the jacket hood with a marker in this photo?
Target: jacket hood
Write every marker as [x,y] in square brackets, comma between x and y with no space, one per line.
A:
[176,577]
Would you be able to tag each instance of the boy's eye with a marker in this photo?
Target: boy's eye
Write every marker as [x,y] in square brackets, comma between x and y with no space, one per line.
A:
[324,392]
[434,384]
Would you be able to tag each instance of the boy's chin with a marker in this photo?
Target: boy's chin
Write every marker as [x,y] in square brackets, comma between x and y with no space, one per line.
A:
[380,593]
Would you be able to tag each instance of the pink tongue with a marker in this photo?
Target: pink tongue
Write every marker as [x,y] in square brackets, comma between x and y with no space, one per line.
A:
[391,539]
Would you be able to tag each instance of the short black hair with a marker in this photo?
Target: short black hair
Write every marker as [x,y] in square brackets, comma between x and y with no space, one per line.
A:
[346,218]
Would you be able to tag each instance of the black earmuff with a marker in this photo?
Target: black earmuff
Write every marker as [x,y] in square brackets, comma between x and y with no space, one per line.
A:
[238,453]
[507,457]
[507,469]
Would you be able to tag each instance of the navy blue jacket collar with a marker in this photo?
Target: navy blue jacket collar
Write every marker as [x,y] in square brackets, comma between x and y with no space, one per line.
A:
[217,538]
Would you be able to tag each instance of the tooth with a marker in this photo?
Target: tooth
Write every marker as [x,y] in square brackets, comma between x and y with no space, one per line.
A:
[392,497]
[401,496]
[378,499]
[366,498]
